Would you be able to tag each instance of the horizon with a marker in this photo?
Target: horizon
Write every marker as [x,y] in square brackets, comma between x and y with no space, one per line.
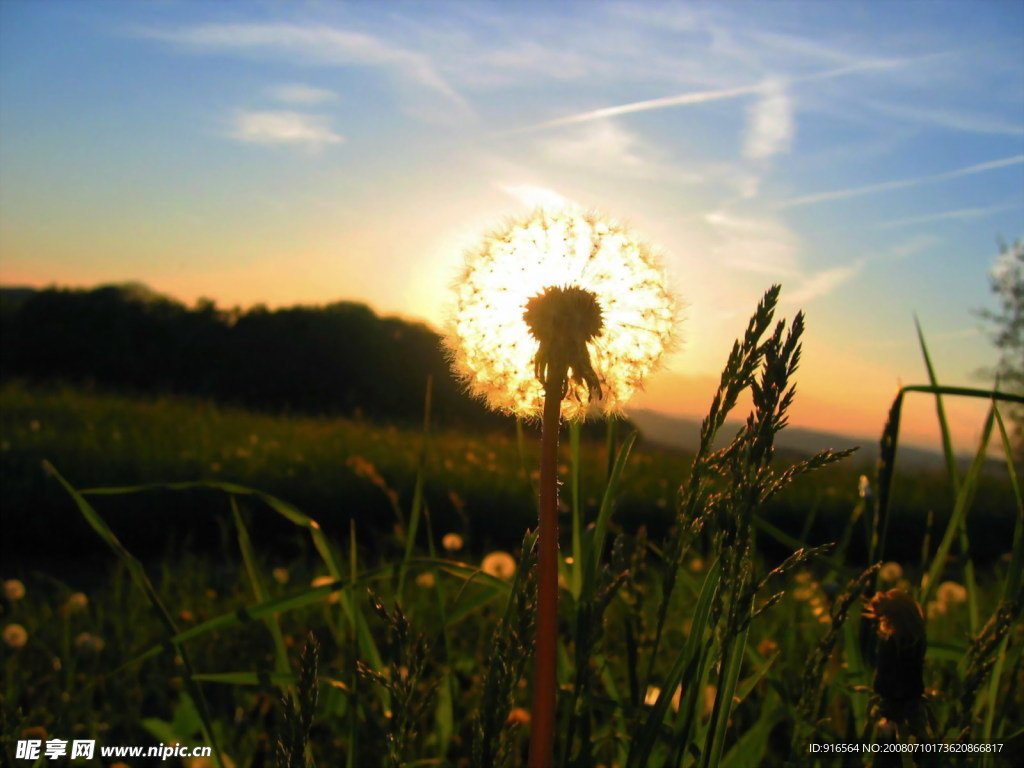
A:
[867,158]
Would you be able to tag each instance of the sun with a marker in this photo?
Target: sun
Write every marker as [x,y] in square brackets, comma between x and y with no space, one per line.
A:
[490,341]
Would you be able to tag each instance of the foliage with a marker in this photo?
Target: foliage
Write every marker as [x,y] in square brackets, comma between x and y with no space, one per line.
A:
[1007,327]
[335,359]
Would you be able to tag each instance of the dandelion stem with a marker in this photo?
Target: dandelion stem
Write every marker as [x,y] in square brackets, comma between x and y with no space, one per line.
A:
[542,721]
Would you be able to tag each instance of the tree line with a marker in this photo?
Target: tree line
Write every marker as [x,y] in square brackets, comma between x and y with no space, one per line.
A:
[337,359]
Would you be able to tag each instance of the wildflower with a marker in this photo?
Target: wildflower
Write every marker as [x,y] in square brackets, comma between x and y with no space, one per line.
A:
[89,643]
[653,692]
[767,647]
[14,589]
[452,542]
[75,603]
[559,286]
[899,675]
[499,564]
[321,581]
[15,636]
[863,487]
[518,716]
[950,592]
[890,572]
[710,695]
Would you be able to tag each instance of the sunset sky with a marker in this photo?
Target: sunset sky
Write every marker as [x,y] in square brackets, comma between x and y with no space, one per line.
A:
[868,156]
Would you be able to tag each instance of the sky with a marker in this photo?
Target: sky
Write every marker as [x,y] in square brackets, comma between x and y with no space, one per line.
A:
[867,156]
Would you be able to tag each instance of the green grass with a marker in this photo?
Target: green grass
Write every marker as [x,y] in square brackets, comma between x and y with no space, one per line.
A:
[338,470]
[299,526]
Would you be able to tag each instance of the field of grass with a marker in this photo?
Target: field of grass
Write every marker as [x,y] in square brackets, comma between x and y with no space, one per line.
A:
[193,630]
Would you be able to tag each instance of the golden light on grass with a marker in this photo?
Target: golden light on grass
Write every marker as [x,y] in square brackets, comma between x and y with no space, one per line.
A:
[492,346]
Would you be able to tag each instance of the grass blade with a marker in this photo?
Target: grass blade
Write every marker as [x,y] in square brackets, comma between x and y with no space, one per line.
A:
[260,593]
[685,669]
[416,508]
[956,520]
[138,574]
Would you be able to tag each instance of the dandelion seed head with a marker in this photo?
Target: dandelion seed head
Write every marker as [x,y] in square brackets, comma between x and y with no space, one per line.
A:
[949,592]
[500,565]
[89,643]
[624,313]
[452,542]
[891,572]
[14,589]
[15,636]
[77,602]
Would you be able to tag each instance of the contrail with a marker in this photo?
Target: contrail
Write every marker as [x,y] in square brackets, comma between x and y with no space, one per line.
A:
[701,97]
[900,183]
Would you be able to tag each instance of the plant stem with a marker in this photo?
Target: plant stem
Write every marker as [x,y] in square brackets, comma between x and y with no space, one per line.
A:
[545,674]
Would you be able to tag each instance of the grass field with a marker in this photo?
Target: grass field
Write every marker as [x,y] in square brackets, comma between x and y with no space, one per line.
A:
[203,652]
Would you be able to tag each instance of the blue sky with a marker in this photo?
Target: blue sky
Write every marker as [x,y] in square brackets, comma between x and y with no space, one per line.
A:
[866,155]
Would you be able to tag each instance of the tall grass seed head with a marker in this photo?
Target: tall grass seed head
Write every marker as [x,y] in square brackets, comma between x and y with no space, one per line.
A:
[560,286]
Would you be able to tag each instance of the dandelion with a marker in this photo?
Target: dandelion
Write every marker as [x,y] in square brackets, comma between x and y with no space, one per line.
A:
[949,592]
[321,581]
[15,636]
[554,314]
[767,647]
[564,288]
[518,716]
[890,572]
[864,487]
[899,674]
[14,589]
[76,603]
[452,542]
[499,564]
[89,643]
[653,692]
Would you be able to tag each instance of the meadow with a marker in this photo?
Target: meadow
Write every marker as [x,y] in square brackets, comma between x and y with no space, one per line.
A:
[294,590]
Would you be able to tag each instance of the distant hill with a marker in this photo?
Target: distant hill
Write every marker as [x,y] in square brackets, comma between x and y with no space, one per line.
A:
[684,432]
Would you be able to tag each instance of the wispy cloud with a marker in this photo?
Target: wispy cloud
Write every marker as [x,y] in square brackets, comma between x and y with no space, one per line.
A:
[534,196]
[840,194]
[820,284]
[770,128]
[761,245]
[297,93]
[282,127]
[958,214]
[319,44]
[958,120]
[605,147]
